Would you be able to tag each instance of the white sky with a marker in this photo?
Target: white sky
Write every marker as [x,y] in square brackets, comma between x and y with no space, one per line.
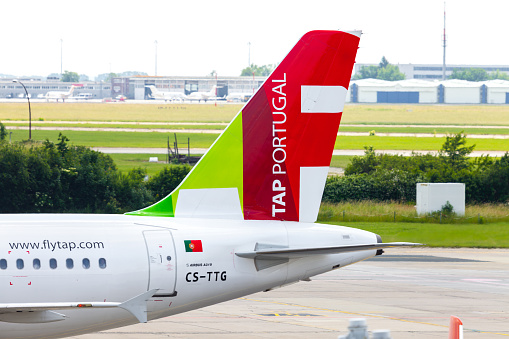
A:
[196,37]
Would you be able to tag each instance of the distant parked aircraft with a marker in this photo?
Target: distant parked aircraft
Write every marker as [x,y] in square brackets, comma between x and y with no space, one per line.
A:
[211,95]
[57,95]
[238,97]
[157,94]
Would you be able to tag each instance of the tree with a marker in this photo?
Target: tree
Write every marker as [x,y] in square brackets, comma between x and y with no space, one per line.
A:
[455,151]
[384,71]
[264,70]
[3,132]
[383,63]
[367,72]
[390,73]
[498,75]
[131,73]
[469,74]
[70,77]
[111,76]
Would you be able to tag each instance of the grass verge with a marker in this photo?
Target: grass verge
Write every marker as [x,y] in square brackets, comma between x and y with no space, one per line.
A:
[353,113]
[371,211]
[126,162]
[439,235]
[204,140]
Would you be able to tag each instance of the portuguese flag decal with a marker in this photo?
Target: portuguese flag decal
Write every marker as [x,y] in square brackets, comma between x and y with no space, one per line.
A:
[193,245]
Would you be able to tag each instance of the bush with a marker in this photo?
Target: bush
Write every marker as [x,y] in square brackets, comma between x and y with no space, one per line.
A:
[164,182]
[383,177]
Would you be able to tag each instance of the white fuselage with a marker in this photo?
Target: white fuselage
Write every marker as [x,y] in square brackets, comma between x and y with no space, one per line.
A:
[112,258]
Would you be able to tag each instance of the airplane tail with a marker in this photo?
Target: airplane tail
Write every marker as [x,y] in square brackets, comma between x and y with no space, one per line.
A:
[455,328]
[213,91]
[153,90]
[272,160]
[71,90]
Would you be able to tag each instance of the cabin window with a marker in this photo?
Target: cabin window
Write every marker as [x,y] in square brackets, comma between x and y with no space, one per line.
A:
[3,264]
[102,263]
[37,263]
[69,263]
[53,263]
[86,263]
[20,264]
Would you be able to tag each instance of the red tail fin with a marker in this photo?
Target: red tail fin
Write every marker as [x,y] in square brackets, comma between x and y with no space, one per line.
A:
[290,127]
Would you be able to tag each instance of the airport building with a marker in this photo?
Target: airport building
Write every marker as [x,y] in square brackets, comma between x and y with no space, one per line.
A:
[435,71]
[241,88]
[416,91]
[37,88]
[135,87]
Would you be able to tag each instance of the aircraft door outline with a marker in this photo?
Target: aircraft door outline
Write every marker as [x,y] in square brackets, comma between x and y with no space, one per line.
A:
[162,262]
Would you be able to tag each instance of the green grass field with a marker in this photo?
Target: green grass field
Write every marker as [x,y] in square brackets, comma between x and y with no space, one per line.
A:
[439,235]
[118,139]
[353,113]
[219,128]
[126,162]
[120,112]
[202,140]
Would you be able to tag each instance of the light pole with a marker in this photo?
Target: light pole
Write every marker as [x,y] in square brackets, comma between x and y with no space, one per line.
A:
[29,110]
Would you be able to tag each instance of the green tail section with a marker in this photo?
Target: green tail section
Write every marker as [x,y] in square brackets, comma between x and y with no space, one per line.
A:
[220,167]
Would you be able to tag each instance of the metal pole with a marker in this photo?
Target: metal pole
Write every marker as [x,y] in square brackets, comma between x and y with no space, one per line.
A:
[155,42]
[249,55]
[443,65]
[61,55]
[29,110]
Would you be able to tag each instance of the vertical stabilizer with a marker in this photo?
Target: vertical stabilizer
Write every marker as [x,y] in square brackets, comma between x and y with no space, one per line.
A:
[271,162]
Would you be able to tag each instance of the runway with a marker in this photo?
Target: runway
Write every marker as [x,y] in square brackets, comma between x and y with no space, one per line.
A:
[411,292]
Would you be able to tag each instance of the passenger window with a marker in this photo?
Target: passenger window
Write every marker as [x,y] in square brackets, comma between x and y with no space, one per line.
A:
[86,263]
[102,263]
[53,263]
[69,263]
[3,264]
[20,264]
[37,264]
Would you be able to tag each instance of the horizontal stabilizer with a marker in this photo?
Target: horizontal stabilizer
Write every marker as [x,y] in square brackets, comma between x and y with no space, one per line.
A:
[291,253]
[137,306]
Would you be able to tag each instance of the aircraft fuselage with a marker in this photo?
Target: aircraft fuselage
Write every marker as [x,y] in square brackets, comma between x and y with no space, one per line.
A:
[113,258]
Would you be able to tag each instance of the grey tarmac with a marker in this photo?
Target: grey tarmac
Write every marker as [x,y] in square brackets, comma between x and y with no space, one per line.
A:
[411,292]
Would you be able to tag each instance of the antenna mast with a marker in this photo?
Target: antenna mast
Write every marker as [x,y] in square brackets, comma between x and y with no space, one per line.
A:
[443,65]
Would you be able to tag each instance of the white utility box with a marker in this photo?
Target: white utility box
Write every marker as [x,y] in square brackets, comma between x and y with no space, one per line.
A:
[432,196]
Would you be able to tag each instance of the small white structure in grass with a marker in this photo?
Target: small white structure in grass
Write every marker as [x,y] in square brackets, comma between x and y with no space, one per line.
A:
[153,159]
[432,196]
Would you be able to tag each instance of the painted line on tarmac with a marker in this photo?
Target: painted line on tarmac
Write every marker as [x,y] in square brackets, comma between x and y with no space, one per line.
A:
[369,315]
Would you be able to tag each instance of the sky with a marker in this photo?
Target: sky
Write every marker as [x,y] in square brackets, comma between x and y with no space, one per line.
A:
[197,37]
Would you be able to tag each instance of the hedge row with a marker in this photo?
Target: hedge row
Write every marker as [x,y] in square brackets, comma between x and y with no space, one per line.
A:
[59,178]
[382,177]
